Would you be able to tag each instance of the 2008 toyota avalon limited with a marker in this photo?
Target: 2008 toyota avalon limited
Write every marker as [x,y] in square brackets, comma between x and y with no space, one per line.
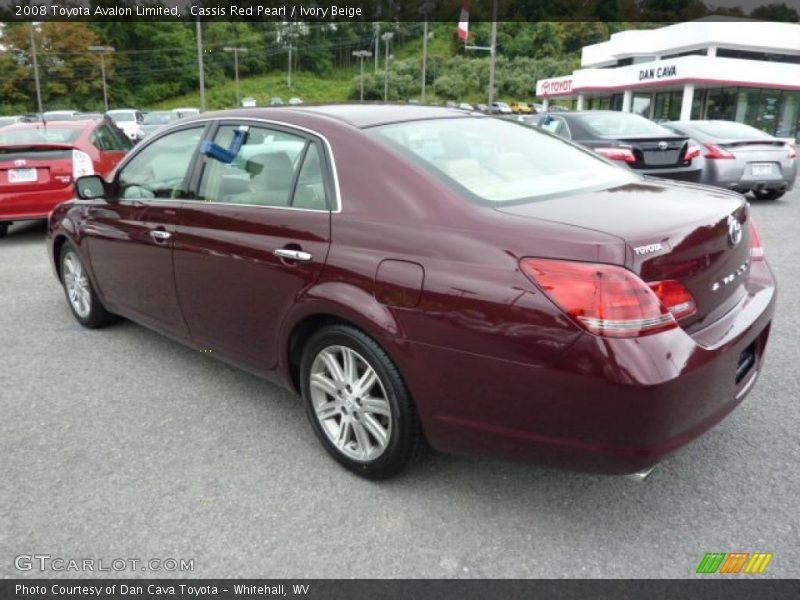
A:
[421,273]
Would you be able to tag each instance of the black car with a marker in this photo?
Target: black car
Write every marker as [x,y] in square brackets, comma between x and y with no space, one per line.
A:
[644,146]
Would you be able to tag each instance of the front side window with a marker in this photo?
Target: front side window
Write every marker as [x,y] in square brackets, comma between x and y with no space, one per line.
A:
[493,161]
[272,168]
[159,170]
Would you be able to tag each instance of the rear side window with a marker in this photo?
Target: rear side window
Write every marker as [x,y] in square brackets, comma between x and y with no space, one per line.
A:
[159,170]
[492,161]
[41,135]
[272,168]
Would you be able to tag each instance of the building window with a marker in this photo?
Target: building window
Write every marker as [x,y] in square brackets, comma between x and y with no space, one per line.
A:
[721,104]
[641,104]
[761,56]
[667,106]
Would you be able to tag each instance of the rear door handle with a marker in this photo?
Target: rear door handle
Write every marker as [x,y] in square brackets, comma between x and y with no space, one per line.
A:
[288,254]
[159,234]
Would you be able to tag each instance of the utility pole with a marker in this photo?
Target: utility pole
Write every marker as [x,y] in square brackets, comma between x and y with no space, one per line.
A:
[377,28]
[386,37]
[361,55]
[425,9]
[289,73]
[492,50]
[200,68]
[36,72]
[236,51]
[492,54]
[102,51]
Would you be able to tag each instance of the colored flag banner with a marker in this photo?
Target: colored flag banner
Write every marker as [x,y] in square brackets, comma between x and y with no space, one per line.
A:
[463,22]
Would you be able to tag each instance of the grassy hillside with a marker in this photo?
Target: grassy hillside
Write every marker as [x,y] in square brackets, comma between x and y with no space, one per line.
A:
[308,87]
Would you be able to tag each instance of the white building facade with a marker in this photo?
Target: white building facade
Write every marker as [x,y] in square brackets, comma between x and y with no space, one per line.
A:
[746,71]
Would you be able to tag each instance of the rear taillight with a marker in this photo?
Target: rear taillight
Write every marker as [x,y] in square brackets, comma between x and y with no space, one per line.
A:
[81,164]
[756,249]
[606,300]
[617,153]
[715,152]
[692,152]
[792,151]
[674,297]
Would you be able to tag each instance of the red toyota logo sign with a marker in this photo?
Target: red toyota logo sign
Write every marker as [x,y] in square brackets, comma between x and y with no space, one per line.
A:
[556,86]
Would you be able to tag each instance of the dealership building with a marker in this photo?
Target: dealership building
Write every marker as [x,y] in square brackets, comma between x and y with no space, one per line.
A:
[732,69]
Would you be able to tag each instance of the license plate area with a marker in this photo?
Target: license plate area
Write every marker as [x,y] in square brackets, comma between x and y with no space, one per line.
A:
[747,359]
[22,176]
[762,169]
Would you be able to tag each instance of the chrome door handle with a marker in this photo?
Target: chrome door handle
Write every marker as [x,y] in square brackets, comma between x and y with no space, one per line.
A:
[298,255]
[158,234]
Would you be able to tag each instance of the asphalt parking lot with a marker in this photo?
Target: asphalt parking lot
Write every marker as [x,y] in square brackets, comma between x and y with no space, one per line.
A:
[120,443]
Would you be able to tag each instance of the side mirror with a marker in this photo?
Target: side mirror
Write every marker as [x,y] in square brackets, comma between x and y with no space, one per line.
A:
[90,187]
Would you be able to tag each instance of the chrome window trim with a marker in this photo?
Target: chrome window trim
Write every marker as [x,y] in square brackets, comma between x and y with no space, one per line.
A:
[335,172]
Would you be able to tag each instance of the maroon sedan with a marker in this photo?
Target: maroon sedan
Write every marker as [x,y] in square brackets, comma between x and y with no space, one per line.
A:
[39,163]
[418,272]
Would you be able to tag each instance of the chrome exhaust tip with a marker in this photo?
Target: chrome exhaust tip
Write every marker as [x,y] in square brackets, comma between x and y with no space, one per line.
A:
[641,475]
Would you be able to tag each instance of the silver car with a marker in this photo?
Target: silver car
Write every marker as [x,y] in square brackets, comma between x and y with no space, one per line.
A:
[742,158]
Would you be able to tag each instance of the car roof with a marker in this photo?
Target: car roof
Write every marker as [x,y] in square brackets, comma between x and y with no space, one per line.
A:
[52,125]
[371,115]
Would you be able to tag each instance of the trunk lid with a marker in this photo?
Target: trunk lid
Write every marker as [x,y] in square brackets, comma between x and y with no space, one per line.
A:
[657,152]
[35,167]
[671,231]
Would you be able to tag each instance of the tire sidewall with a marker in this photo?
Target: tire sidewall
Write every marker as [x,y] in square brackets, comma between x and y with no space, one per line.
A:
[93,318]
[403,416]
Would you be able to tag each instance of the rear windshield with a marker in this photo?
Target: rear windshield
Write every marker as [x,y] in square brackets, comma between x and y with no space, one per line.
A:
[157,118]
[619,124]
[44,135]
[123,116]
[492,161]
[730,130]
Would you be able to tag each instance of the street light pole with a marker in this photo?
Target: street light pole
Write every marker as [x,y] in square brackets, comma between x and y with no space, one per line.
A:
[102,51]
[361,55]
[36,72]
[200,69]
[386,37]
[236,67]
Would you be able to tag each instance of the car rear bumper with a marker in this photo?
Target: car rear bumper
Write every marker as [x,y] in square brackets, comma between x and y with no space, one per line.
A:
[32,205]
[730,174]
[608,405]
[691,174]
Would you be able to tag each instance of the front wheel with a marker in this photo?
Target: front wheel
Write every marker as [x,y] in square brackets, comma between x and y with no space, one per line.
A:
[81,295]
[358,403]
[768,194]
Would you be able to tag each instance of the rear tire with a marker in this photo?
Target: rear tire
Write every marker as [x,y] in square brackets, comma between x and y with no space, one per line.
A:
[81,295]
[357,402]
[768,194]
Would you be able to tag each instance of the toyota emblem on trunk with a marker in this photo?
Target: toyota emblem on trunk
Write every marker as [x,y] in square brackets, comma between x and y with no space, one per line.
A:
[20,162]
[663,145]
[734,231]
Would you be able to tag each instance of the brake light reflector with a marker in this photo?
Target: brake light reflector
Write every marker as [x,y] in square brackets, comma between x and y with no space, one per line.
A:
[674,297]
[81,164]
[617,153]
[716,152]
[692,152]
[606,300]
[756,249]
[792,151]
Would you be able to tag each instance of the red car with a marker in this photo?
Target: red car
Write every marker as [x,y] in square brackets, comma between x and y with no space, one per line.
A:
[418,272]
[39,164]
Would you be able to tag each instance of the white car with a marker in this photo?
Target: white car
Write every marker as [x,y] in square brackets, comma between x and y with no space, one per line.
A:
[294,101]
[130,121]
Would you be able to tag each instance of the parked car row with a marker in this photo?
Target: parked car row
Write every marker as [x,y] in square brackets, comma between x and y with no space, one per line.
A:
[720,153]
